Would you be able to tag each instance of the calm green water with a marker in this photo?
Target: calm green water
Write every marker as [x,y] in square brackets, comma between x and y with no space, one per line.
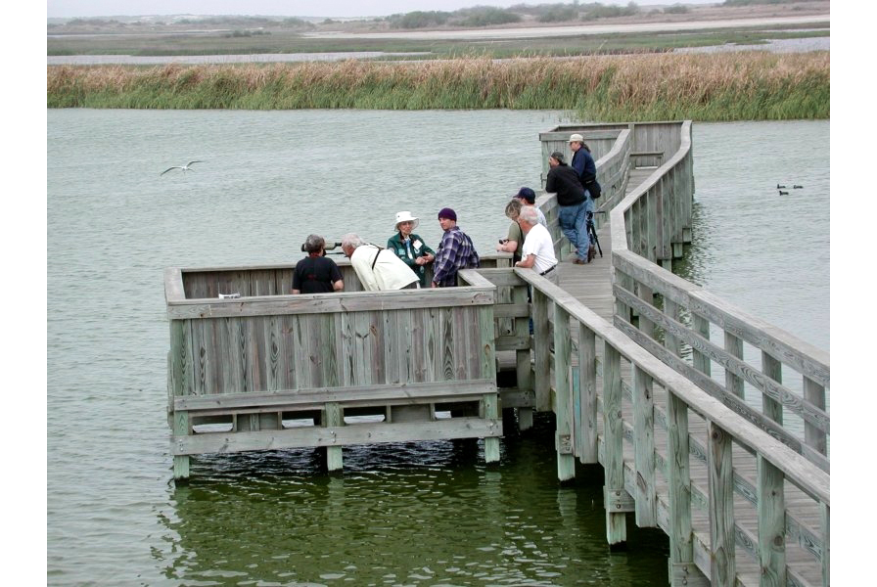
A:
[413,514]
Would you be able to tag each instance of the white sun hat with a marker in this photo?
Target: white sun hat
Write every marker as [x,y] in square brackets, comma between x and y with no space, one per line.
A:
[406,216]
[576,138]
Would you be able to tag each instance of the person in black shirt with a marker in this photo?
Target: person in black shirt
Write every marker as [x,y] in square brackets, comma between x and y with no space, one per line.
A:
[316,273]
[564,181]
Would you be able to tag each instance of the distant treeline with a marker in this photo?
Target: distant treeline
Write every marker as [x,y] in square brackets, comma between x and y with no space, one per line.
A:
[478,16]
[481,16]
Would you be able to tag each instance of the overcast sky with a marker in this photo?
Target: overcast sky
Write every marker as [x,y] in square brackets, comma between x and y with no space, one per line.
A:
[333,8]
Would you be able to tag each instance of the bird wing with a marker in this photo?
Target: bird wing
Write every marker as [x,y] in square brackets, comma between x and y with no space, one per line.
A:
[169,168]
[190,162]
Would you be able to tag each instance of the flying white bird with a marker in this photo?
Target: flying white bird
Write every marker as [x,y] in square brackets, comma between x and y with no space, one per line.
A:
[185,168]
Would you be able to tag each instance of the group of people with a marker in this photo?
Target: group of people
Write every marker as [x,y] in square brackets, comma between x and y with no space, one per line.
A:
[401,265]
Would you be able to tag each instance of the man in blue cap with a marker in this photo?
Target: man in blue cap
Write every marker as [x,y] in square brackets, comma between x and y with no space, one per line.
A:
[528,199]
[455,252]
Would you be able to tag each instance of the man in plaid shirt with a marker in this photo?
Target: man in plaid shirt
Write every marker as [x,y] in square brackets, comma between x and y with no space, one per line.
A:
[455,252]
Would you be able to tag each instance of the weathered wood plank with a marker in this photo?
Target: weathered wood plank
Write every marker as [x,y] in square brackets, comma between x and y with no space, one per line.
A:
[586,431]
[566,465]
[825,526]
[516,310]
[813,436]
[490,412]
[646,325]
[314,436]
[173,285]
[721,504]
[702,327]
[672,342]
[542,381]
[733,382]
[356,394]
[773,369]
[333,421]
[501,277]
[331,302]
[771,525]
[613,463]
[679,492]
[181,430]
[644,449]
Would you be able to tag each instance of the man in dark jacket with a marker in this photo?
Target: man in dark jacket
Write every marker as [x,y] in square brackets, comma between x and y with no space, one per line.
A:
[564,181]
[584,165]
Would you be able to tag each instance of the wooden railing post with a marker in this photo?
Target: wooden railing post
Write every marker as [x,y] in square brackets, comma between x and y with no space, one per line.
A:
[622,310]
[645,325]
[646,497]
[734,347]
[825,514]
[586,420]
[489,410]
[490,402]
[771,525]
[181,428]
[179,385]
[683,571]
[815,394]
[772,368]
[672,343]
[721,506]
[566,463]
[522,358]
[334,418]
[617,500]
[701,326]
[541,343]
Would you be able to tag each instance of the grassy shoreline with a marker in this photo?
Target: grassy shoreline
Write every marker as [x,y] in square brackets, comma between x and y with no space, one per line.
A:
[704,87]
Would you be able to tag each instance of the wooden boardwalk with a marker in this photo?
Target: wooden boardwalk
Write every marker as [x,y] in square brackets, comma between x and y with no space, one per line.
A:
[695,442]
[592,285]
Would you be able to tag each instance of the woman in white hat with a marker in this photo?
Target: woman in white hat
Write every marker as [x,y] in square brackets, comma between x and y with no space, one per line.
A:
[410,247]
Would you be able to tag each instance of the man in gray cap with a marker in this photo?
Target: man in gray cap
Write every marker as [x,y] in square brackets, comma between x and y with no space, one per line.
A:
[564,181]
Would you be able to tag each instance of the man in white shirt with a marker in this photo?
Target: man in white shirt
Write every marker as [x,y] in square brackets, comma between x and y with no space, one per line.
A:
[378,269]
[538,251]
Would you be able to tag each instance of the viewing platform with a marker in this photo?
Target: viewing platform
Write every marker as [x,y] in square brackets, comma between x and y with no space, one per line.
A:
[709,423]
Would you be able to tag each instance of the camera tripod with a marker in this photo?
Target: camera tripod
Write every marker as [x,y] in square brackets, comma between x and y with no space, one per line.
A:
[592,232]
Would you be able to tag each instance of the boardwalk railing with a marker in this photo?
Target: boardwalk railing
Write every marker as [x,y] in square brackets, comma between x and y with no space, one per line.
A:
[769,448]
[737,504]
[269,370]
[779,384]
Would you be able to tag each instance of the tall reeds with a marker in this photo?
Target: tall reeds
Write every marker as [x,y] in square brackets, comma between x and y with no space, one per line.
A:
[729,86]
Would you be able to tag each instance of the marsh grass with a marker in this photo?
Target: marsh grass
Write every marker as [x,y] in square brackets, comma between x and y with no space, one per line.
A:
[733,86]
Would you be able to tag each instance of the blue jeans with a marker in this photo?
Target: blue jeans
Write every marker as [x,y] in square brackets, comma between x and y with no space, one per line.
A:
[572,223]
